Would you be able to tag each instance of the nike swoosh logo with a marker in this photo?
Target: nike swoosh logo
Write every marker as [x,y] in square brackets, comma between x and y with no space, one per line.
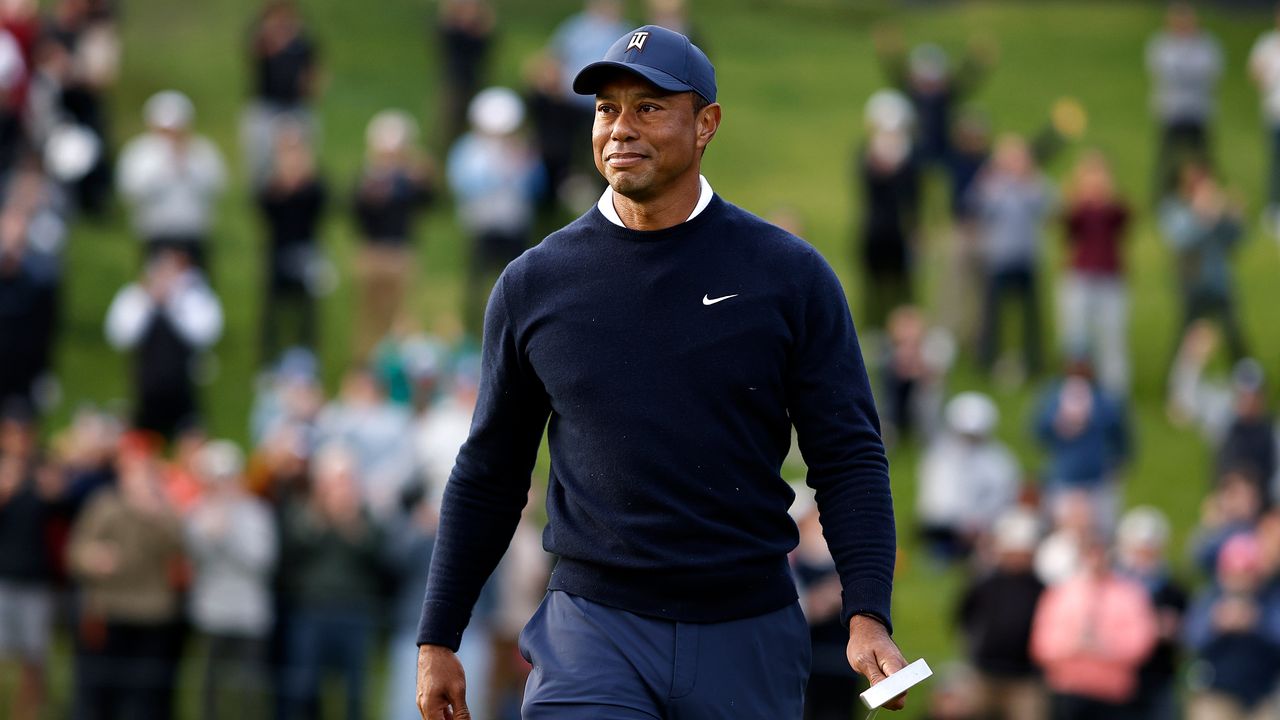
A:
[712,301]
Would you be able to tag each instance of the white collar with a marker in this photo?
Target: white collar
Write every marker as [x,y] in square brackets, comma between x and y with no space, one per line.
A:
[611,213]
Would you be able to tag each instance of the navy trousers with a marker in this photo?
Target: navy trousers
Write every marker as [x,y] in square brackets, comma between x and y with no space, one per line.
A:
[592,662]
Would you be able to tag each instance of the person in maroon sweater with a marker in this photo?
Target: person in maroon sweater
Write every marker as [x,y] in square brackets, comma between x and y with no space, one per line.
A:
[1094,298]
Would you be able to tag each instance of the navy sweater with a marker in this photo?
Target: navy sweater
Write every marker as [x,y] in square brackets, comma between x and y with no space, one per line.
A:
[671,364]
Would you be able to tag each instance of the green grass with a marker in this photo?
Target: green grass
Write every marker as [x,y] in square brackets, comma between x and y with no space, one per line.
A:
[793,77]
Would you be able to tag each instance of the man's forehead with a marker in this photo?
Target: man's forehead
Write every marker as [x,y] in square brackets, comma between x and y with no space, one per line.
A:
[624,83]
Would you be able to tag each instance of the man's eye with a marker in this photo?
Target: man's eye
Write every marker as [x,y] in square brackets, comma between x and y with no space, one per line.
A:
[648,108]
[604,109]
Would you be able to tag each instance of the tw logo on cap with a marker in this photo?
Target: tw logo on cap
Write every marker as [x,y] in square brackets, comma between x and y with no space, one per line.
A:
[637,41]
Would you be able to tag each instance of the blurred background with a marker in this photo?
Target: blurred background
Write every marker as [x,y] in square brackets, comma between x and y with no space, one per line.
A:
[245,248]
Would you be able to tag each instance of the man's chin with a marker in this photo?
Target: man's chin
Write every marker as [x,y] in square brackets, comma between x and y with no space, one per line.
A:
[630,186]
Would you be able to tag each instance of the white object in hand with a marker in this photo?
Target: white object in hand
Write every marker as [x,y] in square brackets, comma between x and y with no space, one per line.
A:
[896,684]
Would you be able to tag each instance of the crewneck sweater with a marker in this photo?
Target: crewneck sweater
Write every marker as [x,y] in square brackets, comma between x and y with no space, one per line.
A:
[667,368]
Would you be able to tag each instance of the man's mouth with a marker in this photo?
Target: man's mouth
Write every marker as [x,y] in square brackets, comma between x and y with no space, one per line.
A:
[624,159]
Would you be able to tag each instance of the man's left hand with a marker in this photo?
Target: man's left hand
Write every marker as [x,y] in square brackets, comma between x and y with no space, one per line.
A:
[873,654]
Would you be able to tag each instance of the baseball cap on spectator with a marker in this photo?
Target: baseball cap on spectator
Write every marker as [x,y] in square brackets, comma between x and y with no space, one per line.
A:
[1143,526]
[1240,554]
[1247,376]
[496,111]
[169,110]
[220,461]
[972,413]
[1017,530]
[663,57]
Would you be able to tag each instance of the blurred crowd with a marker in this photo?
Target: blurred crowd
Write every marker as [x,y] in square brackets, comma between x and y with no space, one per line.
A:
[1071,607]
[282,567]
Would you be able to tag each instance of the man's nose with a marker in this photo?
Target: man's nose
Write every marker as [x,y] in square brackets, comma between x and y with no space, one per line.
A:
[623,127]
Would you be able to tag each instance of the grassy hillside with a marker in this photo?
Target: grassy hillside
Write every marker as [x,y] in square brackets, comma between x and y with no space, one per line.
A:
[793,77]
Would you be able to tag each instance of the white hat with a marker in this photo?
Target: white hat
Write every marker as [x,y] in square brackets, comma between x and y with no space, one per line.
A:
[1017,530]
[972,413]
[496,111]
[219,460]
[391,131]
[889,110]
[71,151]
[169,110]
[1142,526]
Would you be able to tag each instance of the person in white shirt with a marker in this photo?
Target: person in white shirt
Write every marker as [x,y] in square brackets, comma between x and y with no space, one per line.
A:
[171,179]
[967,477]
[1185,64]
[166,319]
[233,545]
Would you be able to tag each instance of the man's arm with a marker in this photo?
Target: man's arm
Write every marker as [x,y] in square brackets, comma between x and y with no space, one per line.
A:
[839,436]
[481,508]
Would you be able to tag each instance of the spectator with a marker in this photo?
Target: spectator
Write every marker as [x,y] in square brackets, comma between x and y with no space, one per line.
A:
[832,690]
[85,453]
[1061,553]
[1091,634]
[171,178]
[1095,299]
[556,124]
[125,551]
[1085,433]
[889,175]
[410,540]
[289,395]
[577,42]
[394,186]
[375,431]
[292,201]
[1232,416]
[967,478]
[1011,201]
[30,498]
[1232,508]
[936,88]
[231,538]
[1202,227]
[286,80]
[335,549]
[82,49]
[1141,539]
[166,319]
[995,617]
[1232,628]
[1185,63]
[494,176]
[29,284]
[1264,69]
[961,284]
[441,429]
[913,376]
[466,29]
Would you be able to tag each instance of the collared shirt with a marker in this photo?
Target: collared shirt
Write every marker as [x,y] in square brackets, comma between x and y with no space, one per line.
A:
[611,213]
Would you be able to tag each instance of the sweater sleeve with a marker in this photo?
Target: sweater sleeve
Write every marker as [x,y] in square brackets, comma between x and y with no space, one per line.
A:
[838,432]
[489,484]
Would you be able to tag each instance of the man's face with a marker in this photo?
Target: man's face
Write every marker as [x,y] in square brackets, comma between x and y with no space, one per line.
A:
[647,140]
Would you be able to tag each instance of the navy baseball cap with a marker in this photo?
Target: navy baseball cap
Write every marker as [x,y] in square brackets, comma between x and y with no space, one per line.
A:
[663,57]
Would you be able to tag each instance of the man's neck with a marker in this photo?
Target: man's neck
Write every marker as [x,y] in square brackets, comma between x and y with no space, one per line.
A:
[668,210]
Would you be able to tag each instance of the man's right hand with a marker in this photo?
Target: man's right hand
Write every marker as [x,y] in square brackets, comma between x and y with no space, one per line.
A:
[442,686]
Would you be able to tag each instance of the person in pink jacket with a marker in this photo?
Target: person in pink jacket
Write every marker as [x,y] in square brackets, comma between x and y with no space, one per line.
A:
[1090,634]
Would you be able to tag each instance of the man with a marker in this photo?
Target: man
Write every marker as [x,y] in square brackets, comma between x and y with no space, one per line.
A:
[672,339]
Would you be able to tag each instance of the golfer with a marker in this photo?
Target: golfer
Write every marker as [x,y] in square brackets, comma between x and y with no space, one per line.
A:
[667,341]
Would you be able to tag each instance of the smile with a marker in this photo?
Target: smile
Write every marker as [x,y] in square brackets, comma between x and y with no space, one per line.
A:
[622,160]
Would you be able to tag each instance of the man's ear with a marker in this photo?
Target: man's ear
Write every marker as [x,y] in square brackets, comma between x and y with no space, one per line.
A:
[707,122]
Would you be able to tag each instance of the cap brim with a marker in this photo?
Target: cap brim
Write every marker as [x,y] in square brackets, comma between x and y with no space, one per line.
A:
[591,77]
